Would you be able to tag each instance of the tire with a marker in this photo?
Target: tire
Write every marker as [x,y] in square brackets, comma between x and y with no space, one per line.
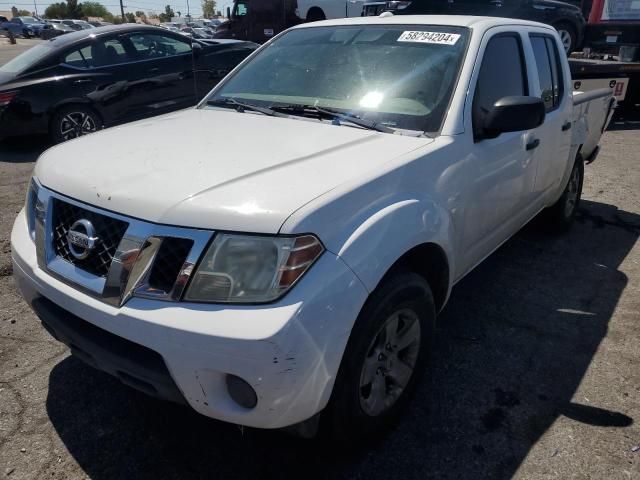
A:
[74,121]
[560,215]
[568,35]
[371,364]
[315,15]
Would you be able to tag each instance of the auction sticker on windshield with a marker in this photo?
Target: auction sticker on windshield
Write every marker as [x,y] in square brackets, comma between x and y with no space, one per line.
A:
[440,38]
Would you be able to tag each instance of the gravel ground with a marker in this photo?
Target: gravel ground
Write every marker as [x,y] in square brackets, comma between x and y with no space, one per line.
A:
[535,374]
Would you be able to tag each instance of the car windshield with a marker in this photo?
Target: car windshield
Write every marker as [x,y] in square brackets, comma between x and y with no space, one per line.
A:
[398,76]
[28,19]
[27,59]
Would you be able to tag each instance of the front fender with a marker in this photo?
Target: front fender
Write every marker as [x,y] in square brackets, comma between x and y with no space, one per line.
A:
[374,245]
[370,240]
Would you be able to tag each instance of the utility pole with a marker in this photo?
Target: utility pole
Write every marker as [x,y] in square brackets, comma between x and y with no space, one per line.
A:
[188,14]
[35,5]
[122,11]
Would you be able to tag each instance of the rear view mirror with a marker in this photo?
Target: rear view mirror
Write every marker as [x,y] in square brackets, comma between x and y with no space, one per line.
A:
[513,114]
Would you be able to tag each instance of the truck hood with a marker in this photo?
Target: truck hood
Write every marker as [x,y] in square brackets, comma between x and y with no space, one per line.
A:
[215,169]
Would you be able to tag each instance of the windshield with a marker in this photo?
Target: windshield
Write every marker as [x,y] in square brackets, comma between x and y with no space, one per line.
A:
[398,76]
[27,59]
[28,19]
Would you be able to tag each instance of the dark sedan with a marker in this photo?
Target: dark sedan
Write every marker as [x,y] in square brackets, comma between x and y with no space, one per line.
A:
[83,81]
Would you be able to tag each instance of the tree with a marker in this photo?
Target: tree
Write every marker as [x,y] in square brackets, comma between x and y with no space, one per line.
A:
[20,13]
[56,10]
[130,17]
[93,9]
[208,8]
[73,9]
[179,13]
[167,15]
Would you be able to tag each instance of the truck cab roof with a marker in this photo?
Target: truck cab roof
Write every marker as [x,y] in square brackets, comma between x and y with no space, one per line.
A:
[474,22]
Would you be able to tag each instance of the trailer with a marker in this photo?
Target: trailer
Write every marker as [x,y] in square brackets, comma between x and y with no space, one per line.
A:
[611,52]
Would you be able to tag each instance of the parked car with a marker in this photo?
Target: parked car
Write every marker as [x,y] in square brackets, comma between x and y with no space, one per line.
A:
[99,24]
[78,24]
[294,277]
[83,81]
[57,29]
[202,33]
[27,27]
[564,17]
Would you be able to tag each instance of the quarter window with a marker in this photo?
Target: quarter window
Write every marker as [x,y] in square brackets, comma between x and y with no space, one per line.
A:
[549,70]
[502,74]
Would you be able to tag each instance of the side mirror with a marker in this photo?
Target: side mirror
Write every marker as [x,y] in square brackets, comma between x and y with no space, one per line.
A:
[513,114]
[196,48]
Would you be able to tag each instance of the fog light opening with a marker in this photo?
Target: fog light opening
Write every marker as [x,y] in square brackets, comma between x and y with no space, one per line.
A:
[241,392]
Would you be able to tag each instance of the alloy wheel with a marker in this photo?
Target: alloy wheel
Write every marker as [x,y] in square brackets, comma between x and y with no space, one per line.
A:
[76,124]
[565,37]
[390,362]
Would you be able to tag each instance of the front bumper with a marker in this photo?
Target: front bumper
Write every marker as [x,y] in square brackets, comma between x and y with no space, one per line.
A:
[288,351]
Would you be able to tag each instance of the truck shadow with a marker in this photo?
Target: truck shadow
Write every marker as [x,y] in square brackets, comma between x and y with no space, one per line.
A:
[512,347]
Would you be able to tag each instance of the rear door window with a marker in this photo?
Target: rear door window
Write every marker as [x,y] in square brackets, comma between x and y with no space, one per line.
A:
[549,71]
[100,53]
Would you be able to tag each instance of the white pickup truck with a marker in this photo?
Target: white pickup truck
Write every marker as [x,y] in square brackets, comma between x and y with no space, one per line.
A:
[276,256]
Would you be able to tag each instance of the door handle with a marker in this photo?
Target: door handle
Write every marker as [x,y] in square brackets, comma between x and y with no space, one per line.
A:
[82,80]
[566,126]
[533,144]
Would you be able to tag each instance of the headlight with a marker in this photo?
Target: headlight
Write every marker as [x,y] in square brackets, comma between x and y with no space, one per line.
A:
[30,206]
[251,268]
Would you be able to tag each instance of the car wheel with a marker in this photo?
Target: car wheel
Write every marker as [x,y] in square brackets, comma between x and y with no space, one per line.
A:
[568,36]
[561,214]
[385,357]
[73,122]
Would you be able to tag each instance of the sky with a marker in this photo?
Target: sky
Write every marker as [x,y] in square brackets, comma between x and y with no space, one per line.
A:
[154,6]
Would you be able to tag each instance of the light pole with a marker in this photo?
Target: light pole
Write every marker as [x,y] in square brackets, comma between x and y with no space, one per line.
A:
[122,11]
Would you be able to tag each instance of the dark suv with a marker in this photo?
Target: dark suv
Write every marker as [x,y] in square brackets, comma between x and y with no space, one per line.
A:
[566,18]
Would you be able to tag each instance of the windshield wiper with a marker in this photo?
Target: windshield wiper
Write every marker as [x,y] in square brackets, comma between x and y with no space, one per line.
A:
[242,106]
[335,115]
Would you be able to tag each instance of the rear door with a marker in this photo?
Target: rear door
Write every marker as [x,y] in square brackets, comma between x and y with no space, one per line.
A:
[96,72]
[550,83]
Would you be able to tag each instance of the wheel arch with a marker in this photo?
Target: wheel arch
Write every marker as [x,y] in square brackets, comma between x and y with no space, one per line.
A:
[411,234]
[430,261]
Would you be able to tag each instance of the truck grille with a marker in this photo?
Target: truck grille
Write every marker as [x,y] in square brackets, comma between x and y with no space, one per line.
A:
[108,230]
[168,263]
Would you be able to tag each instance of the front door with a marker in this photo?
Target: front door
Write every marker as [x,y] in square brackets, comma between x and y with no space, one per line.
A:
[501,170]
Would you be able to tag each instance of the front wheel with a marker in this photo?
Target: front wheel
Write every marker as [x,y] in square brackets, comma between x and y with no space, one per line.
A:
[385,357]
[561,214]
[73,122]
